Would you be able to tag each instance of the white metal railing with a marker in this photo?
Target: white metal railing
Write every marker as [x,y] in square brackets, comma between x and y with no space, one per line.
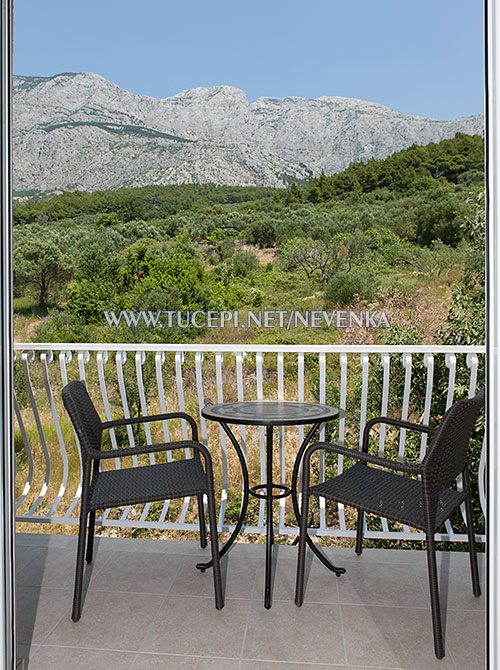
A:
[170,377]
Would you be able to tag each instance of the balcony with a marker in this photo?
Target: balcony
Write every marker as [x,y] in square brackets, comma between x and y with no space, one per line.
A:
[146,604]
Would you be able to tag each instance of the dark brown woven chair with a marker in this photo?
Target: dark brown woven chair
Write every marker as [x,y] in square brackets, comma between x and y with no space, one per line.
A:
[424,502]
[130,486]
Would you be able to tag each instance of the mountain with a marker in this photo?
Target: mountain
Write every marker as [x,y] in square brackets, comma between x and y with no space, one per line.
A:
[81,131]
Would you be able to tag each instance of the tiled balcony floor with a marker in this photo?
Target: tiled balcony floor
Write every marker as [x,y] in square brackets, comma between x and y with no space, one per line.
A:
[147,607]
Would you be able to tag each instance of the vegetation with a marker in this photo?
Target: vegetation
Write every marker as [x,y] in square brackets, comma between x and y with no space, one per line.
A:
[404,235]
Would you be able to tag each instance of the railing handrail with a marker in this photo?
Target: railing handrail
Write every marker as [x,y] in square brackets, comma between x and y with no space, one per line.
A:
[256,348]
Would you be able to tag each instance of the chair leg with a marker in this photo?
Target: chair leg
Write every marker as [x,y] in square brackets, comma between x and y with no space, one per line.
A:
[434,592]
[77,598]
[214,544]
[476,588]
[359,532]
[90,538]
[201,517]
[301,560]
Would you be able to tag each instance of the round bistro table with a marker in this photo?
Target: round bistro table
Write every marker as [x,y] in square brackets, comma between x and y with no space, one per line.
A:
[270,414]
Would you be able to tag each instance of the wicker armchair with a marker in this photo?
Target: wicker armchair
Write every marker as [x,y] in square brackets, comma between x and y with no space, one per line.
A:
[424,502]
[129,486]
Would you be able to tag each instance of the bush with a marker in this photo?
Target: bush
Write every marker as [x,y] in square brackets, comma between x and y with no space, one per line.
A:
[244,263]
[261,233]
[344,286]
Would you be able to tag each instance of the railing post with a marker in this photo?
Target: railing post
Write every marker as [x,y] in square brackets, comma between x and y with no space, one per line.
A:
[7,467]
[493,326]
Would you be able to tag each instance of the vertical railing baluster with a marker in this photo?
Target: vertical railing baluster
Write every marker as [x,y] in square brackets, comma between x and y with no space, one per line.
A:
[29,454]
[140,359]
[201,396]
[407,365]
[365,368]
[27,359]
[219,360]
[473,365]
[83,360]
[281,433]
[343,402]
[120,360]
[240,396]
[179,362]
[451,364]
[429,364]
[322,399]
[102,359]
[198,364]
[65,357]
[300,398]
[259,363]
[159,362]
[385,361]
[472,361]
[46,358]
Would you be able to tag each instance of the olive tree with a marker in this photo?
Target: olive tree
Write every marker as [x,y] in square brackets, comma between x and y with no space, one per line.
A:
[40,267]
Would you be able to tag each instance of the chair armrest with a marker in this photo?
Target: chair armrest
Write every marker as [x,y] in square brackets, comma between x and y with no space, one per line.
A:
[422,428]
[98,455]
[364,457]
[154,417]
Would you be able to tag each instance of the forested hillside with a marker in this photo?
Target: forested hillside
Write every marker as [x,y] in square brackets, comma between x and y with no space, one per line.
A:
[401,234]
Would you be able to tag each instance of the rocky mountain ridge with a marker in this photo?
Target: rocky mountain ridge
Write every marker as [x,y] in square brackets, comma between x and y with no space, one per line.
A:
[81,131]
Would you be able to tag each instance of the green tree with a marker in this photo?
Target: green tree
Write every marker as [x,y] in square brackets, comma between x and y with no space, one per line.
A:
[40,266]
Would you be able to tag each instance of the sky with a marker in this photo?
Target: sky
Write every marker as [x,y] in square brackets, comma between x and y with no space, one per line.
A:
[420,57]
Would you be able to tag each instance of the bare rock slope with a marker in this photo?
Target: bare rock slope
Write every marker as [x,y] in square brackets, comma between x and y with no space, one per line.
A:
[80,131]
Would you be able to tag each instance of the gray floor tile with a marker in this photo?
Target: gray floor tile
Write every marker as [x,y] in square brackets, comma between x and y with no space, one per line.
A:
[25,555]
[392,637]
[136,572]
[62,658]
[187,625]
[321,584]
[55,568]
[25,652]
[39,610]
[277,665]
[379,584]
[309,634]
[171,662]
[116,621]
[238,576]
[465,638]
[45,540]
[143,545]
[455,586]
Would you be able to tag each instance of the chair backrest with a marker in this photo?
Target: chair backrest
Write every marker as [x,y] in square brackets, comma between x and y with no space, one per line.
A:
[446,456]
[84,416]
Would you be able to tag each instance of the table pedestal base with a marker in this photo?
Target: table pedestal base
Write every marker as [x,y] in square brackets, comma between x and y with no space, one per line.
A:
[268,496]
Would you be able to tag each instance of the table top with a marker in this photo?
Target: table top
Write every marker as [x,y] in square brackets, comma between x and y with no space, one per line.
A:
[270,413]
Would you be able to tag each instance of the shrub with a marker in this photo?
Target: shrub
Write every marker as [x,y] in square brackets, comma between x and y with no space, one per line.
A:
[344,286]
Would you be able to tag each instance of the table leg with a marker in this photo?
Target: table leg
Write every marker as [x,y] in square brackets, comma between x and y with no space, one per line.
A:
[269,515]
[244,503]
[298,462]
